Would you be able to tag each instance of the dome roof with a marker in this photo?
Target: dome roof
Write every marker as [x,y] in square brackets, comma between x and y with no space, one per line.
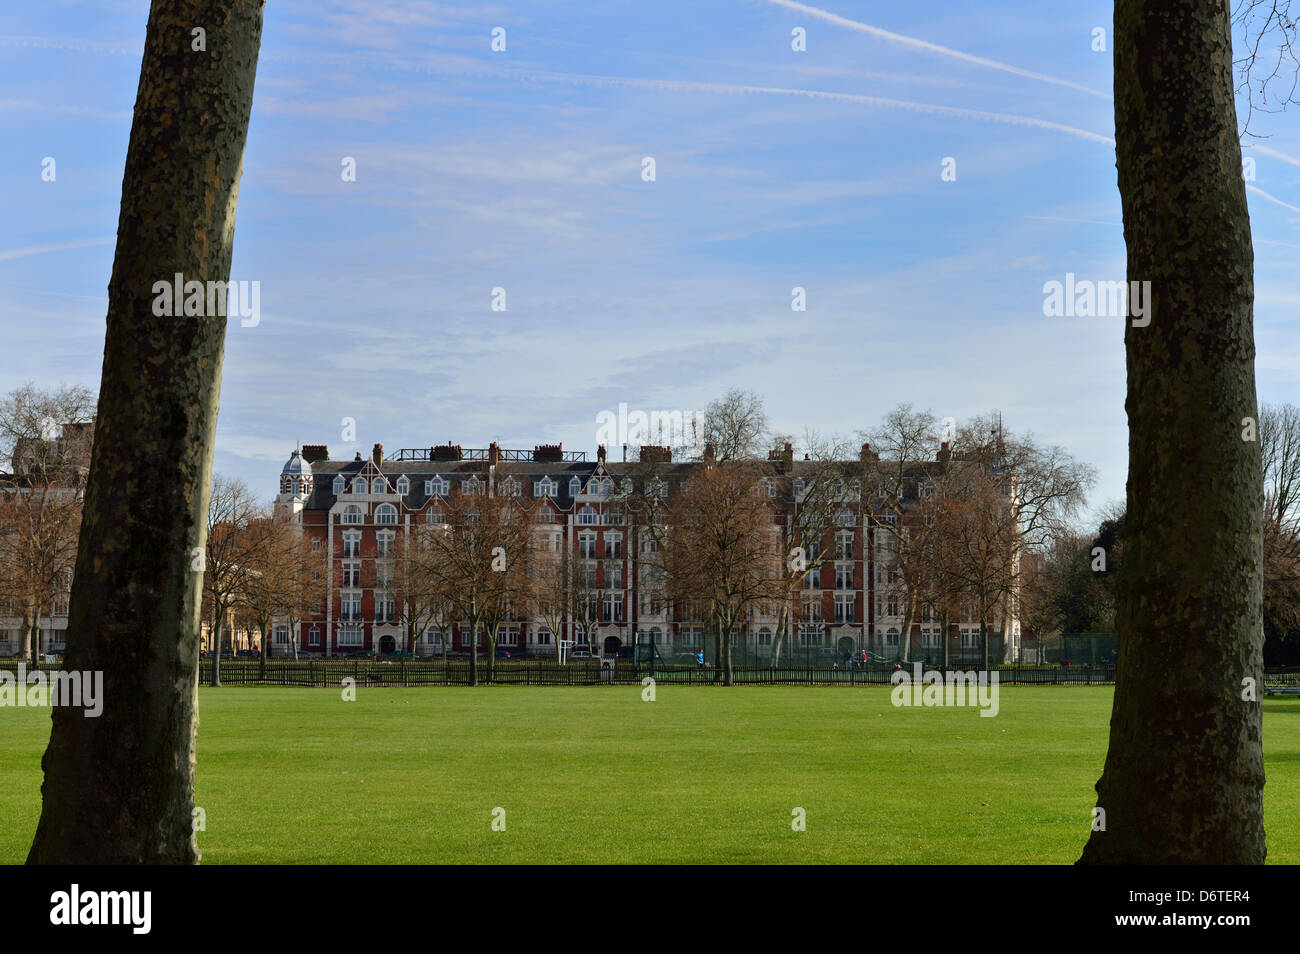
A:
[296,466]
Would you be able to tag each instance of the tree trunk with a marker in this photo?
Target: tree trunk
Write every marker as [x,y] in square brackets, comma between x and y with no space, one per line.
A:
[1184,774]
[726,657]
[945,640]
[218,635]
[473,653]
[905,638]
[119,788]
[984,640]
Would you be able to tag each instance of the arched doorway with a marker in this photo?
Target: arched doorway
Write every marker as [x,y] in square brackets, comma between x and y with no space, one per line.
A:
[612,645]
[846,644]
[387,645]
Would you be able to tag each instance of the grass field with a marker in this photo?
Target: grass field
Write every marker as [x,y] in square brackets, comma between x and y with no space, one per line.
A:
[597,775]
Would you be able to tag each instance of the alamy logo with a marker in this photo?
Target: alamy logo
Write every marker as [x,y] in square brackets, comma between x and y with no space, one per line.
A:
[78,690]
[667,428]
[75,907]
[1085,298]
[195,299]
[957,688]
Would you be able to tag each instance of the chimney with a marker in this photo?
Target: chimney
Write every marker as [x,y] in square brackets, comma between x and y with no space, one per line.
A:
[551,452]
[494,454]
[709,452]
[944,453]
[625,453]
[655,454]
[600,453]
[311,453]
[358,455]
[867,454]
[448,452]
[377,455]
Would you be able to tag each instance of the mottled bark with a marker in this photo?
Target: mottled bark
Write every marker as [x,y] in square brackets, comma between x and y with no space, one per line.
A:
[1184,774]
[119,788]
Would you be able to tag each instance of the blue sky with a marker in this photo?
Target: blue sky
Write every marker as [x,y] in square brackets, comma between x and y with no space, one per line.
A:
[521,169]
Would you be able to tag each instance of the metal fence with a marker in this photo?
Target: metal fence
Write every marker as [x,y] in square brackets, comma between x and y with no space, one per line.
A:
[402,673]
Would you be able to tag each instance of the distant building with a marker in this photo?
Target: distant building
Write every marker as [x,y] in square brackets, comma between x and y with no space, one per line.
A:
[354,511]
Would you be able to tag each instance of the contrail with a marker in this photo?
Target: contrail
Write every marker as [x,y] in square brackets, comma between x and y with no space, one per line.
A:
[42,249]
[931,47]
[665,85]
[1272,198]
[1276,154]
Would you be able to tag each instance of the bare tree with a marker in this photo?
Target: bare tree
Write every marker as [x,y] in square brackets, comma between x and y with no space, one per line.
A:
[240,534]
[721,551]
[46,436]
[120,788]
[736,426]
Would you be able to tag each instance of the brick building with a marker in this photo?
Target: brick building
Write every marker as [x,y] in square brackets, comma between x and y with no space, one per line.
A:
[354,512]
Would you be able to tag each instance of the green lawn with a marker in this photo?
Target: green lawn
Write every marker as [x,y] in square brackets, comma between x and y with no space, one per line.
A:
[596,775]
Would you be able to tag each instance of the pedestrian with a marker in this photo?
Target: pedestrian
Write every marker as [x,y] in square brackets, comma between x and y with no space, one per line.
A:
[699,659]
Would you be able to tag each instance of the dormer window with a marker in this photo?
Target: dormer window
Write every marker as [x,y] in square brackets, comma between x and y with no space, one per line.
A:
[545,487]
[626,485]
[339,485]
[575,486]
[437,487]
[471,486]
[403,485]
[379,486]
[510,487]
[587,515]
[359,485]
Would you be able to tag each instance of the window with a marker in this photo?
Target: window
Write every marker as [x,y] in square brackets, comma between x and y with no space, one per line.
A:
[386,542]
[385,513]
[359,485]
[844,518]
[352,544]
[614,517]
[352,573]
[282,635]
[658,636]
[351,514]
[649,544]
[510,487]
[437,486]
[692,638]
[844,608]
[587,545]
[844,576]
[813,579]
[765,637]
[471,485]
[508,637]
[383,574]
[769,486]
[403,485]
[545,487]
[891,638]
[799,486]
[435,515]
[844,545]
[350,636]
[810,636]
[626,485]
[812,611]
[970,639]
[379,486]
[614,545]
[575,486]
[313,636]
[350,607]
[587,515]
[385,610]
[339,485]
[614,575]
[315,544]
[930,639]
[433,636]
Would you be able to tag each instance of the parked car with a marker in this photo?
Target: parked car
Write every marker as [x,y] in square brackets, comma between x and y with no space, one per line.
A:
[503,654]
[50,658]
[400,654]
[581,654]
[248,654]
